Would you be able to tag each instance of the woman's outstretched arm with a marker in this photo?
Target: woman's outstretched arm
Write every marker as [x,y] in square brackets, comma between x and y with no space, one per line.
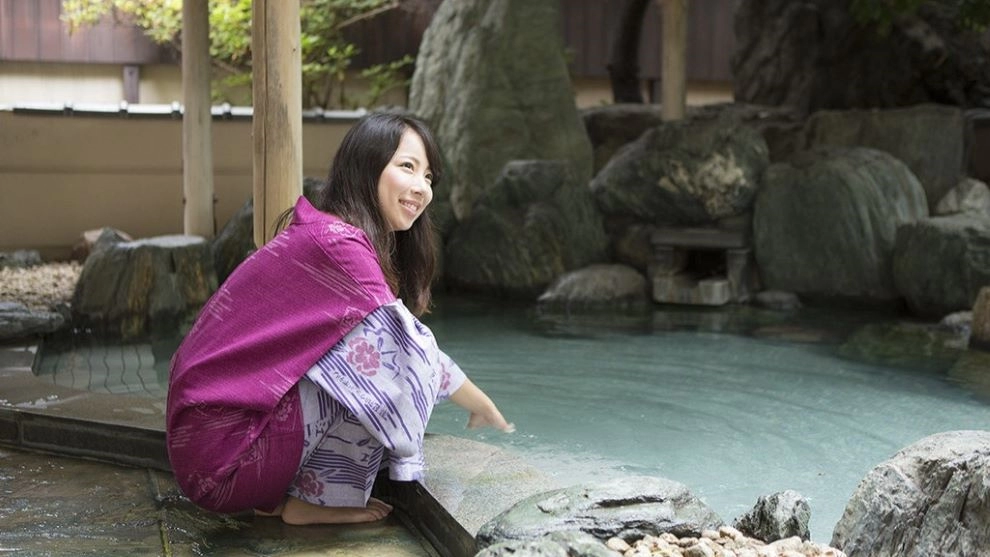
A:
[482,409]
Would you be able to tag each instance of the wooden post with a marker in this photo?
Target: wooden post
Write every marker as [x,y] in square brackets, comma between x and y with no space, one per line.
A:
[673,71]
[197,143]
[277,123]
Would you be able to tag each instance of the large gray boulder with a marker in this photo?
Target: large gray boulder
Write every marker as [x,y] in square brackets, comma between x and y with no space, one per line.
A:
[825,223]
[598,286]
[491,79]
[814,55]
[930,498]
[153,285]
[929,139]
[536,223]
[629,508]
[688,172]
[940,263]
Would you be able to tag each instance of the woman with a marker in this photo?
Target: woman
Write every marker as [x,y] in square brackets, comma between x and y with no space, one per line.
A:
[304,373]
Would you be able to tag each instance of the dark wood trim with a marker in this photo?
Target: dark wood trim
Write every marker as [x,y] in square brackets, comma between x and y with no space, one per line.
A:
[30,30]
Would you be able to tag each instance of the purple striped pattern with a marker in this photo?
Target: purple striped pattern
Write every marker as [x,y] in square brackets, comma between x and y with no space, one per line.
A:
[392,403]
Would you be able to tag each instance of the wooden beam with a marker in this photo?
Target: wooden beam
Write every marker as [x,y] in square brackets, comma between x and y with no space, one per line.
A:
[197,143]
[673,69]
[277,124]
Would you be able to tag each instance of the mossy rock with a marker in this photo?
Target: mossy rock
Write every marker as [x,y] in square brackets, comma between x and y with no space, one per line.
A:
[904,345]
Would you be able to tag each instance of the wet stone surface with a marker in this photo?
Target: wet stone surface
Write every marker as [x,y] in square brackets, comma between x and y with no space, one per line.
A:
[63,506]
[60,506]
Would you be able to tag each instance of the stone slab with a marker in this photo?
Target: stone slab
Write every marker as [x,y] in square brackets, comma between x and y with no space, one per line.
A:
[468,482]
[66,506]
[700,237]
[683,289]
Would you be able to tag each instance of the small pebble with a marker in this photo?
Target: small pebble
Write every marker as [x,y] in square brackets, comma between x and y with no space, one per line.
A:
[726,542]
[699,550]
[618,544]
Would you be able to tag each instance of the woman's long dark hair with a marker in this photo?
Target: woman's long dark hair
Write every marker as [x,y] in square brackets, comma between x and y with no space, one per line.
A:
[408,258]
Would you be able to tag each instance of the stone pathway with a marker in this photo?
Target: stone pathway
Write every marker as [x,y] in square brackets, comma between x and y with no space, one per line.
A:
[64,506]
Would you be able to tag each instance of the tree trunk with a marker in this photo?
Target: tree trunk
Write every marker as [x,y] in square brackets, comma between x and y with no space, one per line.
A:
[623,65]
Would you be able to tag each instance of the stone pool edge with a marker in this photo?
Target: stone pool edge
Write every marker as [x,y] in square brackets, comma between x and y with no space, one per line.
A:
[470,483]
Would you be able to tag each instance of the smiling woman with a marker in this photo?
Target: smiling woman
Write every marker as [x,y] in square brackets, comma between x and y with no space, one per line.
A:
[304,368]
[405,186]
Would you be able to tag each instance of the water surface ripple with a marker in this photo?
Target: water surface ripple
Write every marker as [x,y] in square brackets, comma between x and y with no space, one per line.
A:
[733,416]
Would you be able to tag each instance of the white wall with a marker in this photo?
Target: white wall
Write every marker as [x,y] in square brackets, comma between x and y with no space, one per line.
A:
[63,175]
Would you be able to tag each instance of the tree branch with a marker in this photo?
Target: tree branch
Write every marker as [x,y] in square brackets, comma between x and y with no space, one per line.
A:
[368,15]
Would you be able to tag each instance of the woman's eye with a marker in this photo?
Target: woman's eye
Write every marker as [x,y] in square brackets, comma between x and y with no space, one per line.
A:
[429,178]
[408,165]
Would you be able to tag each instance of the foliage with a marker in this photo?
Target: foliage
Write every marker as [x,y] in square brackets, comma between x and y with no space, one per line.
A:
[326,54]
[970,14]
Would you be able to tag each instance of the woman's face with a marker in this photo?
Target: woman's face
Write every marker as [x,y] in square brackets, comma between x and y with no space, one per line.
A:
[405,186]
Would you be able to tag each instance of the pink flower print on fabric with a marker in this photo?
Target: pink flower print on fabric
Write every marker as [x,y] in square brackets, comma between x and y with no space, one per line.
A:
[363,356]
[309,484]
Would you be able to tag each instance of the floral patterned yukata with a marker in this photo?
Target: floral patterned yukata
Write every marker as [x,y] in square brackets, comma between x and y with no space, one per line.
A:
[302,375]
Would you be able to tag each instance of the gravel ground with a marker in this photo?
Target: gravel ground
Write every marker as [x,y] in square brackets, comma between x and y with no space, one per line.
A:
[40,287]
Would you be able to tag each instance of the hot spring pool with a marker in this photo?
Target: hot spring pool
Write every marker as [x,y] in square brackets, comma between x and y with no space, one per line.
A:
[734,403]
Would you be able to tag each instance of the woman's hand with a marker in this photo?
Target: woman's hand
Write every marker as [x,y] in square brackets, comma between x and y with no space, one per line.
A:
[494,420]
[482,409]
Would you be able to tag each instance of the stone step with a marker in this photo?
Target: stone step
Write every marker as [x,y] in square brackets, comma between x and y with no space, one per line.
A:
[700,238]
[683,289]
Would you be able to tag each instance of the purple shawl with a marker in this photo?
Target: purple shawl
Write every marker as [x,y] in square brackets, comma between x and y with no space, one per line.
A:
[233,419]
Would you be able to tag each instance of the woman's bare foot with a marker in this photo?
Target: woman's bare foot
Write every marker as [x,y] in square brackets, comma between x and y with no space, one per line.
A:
[298,512]
[276,512]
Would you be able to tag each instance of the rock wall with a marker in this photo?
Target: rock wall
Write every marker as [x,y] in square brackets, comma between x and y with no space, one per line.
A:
[929,139]
[825,223]
[537,222]
[813,55]
[491,79]
[941,263]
